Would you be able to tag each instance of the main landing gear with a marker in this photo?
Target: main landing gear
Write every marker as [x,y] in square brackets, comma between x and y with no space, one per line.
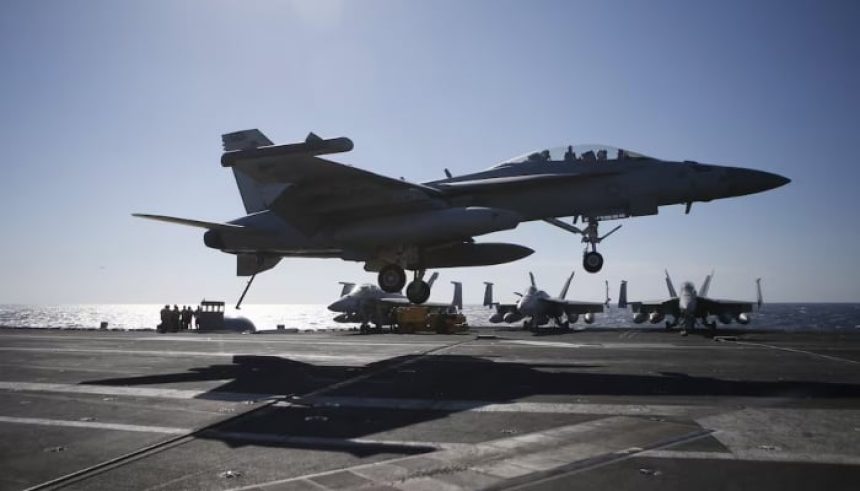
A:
[392,278]
[592,261]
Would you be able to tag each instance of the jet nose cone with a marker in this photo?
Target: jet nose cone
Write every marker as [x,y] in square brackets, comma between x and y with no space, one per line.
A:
[749,181]
[337,306]
[768,180]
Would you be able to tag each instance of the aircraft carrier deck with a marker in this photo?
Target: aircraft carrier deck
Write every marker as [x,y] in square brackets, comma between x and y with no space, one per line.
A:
[606,409]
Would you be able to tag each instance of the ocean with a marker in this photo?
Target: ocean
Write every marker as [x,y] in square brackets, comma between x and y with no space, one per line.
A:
[788,316]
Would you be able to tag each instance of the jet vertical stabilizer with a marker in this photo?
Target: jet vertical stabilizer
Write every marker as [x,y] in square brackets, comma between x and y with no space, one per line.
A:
[703,291]
[606,302]
[457,301]
[758,292]
[622,295]
[488,294]
[256,196]
[670,286]
[566,286]
[346,287]
[433,278]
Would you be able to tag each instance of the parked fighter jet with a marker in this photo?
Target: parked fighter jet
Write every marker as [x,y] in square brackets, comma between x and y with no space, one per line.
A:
[368,304]
[360,303]
[689,306]
[302,205]
[537,307]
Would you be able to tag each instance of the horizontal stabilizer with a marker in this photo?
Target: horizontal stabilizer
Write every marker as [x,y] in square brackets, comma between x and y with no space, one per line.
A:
[191,223]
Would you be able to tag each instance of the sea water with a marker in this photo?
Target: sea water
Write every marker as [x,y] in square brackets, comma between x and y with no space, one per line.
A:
[791,316]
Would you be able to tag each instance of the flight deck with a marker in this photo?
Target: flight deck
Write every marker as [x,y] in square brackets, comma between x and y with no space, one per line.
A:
[489,409]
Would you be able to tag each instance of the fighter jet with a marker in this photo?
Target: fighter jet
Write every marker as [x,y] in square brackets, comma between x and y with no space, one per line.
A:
[368,304]
[690,306]
[300,204]
[538,307]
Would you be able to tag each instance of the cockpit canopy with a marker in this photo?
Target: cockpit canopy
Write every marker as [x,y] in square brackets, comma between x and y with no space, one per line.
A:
[575,153]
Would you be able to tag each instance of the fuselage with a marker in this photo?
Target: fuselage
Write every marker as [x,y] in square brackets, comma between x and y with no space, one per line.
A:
[499,199]
[687,304]
[359,299]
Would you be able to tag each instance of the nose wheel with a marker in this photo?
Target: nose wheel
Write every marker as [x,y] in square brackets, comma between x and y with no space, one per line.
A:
[592,261]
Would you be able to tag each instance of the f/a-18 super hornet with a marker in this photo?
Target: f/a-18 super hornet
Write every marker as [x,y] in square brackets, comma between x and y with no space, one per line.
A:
[300,204]
[689,306]
[538,307]
[368,304]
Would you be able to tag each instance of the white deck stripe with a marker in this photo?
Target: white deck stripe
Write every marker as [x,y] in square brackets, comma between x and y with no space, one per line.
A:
[760,456]
[514,343]
[129,391]
[795,350]
[254,339]
[510,407]
[367,402]
[332,442]
[95,424]
[211,354]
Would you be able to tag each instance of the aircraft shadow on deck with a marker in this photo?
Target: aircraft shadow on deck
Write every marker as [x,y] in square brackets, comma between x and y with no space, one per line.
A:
[438,378]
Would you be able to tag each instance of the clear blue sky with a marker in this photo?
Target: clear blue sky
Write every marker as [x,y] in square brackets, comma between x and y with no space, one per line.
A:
[114,107]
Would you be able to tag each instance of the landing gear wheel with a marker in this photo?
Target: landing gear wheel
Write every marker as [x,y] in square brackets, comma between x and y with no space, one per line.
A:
[391,278]
[418,291]
[592,261]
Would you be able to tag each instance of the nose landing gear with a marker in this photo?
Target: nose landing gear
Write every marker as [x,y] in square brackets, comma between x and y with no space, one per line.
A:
[592,261]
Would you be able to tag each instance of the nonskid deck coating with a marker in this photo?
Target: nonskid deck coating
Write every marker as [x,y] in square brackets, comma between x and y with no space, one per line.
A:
[418,412]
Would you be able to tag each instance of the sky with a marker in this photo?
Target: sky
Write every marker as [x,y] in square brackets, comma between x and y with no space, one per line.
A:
[114,107]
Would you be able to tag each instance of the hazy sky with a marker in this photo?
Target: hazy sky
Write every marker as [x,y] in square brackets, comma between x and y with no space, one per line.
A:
[113,107]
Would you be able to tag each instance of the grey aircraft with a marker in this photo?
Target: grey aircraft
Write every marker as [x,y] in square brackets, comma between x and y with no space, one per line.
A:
[300,204]
[368,304]
[538,307]
[690,306]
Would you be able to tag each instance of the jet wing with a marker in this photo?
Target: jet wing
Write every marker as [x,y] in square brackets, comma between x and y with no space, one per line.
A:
[393,301]
[504,308]
[230,227]
[662,306]
[402,302]
[717,307]
[322,192]
[571,307]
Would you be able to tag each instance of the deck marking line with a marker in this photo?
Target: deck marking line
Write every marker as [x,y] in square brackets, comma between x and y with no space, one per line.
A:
[507,450]
[101,467]
[95,424]
[333,442]
[795,350]
[762,456]
[365,402]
